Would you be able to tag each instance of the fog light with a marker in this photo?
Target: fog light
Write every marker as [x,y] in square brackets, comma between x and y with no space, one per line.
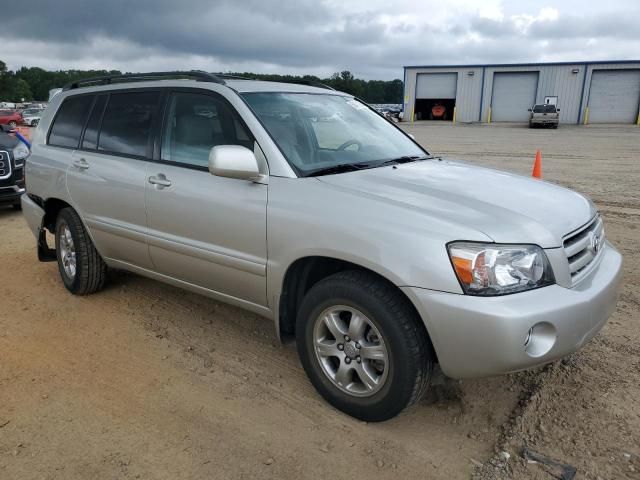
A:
[540,339]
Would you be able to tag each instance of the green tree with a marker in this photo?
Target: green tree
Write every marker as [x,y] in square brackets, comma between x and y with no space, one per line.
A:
[21,91]
[39,81]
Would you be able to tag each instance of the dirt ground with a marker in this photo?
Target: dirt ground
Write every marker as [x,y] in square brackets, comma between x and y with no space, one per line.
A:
[146,381]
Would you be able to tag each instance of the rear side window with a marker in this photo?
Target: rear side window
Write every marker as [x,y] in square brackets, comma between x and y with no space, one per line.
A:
[127,121]
[67,126]
[90,140]
[544,109]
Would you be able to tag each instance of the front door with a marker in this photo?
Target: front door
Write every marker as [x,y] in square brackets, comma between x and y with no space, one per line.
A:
[205,230]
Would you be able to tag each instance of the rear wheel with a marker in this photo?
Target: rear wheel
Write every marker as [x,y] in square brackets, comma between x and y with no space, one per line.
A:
[12,124]
[81,267]
[34,123]
[363,346]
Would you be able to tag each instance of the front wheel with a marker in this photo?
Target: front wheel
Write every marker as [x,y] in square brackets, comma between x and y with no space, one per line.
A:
[12,124]
[34,123]
[81,267]
[363,346]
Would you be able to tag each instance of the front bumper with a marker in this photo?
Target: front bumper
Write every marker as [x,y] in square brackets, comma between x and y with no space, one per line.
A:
[544,121]
[11,194]
[481,336]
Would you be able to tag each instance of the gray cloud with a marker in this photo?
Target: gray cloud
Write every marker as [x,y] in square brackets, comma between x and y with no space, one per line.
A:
[308,36]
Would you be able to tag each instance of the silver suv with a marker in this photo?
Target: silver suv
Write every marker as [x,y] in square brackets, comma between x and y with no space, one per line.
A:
[305,206]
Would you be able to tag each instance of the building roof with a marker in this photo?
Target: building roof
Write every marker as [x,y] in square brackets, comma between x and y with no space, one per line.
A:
[530,64]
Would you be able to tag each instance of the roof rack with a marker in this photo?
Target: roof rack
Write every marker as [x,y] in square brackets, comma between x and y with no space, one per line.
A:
[197,75]
[231,76]
[300,81]
[312,83]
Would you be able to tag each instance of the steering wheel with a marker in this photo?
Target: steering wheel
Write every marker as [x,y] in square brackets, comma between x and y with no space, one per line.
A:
[348,143]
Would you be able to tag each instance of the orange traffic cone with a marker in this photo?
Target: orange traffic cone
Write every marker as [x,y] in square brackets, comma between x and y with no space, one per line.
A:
[537,166]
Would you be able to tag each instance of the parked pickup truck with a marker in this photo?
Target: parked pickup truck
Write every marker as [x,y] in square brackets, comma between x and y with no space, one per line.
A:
[544,115]
[305,206]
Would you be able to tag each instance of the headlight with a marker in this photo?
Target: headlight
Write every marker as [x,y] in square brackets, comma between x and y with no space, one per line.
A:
[20,154]
[493,269]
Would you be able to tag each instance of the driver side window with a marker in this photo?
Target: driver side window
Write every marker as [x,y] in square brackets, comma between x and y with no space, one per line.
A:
[197,122]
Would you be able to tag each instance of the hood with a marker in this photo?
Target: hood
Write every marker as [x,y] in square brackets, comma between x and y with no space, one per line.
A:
[506,207]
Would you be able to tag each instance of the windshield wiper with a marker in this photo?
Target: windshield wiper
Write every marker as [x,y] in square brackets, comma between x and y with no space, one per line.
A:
[352,167]
[404,159]
[340,168]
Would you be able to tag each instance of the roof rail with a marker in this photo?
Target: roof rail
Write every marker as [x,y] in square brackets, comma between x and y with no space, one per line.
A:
[197,75]
[231,76]
[298,81]
[312,83]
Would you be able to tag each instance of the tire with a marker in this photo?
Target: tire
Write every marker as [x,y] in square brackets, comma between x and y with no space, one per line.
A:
[34,123]
[12,124]
[17,206]
[90,271]
[392,321]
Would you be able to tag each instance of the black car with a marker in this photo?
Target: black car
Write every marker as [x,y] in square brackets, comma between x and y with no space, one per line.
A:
[13,154]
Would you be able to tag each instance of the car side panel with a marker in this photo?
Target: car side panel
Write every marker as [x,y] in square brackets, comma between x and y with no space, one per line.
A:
[209,231]
[307,217]
[109,196]
[46,167]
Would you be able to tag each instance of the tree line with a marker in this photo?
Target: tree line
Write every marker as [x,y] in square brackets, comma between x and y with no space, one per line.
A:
[33,83]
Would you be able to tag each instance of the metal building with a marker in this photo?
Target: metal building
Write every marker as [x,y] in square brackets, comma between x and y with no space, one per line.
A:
[585,92]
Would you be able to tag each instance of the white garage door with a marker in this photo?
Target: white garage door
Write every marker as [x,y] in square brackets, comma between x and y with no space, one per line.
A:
[614,96]
[514,93]
[436,85]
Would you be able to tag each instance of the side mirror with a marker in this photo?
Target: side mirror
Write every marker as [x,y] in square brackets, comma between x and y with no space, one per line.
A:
[233,161]
[528,109]
[557,109]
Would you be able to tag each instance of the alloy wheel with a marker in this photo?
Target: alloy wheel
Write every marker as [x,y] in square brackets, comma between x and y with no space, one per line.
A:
[67,251]
[351,351]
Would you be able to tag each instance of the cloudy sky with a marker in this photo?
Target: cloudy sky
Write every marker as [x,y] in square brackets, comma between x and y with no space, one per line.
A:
[372,38]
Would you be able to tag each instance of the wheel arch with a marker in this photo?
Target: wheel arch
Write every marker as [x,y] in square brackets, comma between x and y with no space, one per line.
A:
[52,207]
[304,273]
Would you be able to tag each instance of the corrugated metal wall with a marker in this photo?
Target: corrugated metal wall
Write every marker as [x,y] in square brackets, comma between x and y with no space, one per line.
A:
[513,95]
[569,82]
[589,72]
[467,91]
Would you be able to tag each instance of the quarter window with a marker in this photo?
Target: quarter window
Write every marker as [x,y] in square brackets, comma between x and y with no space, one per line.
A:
[195,123]
[67,126]
[126,125]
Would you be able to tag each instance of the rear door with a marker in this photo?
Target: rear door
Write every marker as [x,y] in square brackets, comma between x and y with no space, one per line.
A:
[106,178]
[205,230]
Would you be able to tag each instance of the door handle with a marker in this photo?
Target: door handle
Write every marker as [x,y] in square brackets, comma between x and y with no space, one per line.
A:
[81,164]
[160,180]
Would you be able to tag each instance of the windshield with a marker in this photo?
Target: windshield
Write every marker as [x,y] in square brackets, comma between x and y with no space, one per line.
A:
[544,109]
[320,131]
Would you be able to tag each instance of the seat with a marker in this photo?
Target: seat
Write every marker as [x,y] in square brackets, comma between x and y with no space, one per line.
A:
[193,138]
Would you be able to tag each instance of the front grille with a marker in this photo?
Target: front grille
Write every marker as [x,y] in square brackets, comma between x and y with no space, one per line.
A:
[5,164]
[583,246]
